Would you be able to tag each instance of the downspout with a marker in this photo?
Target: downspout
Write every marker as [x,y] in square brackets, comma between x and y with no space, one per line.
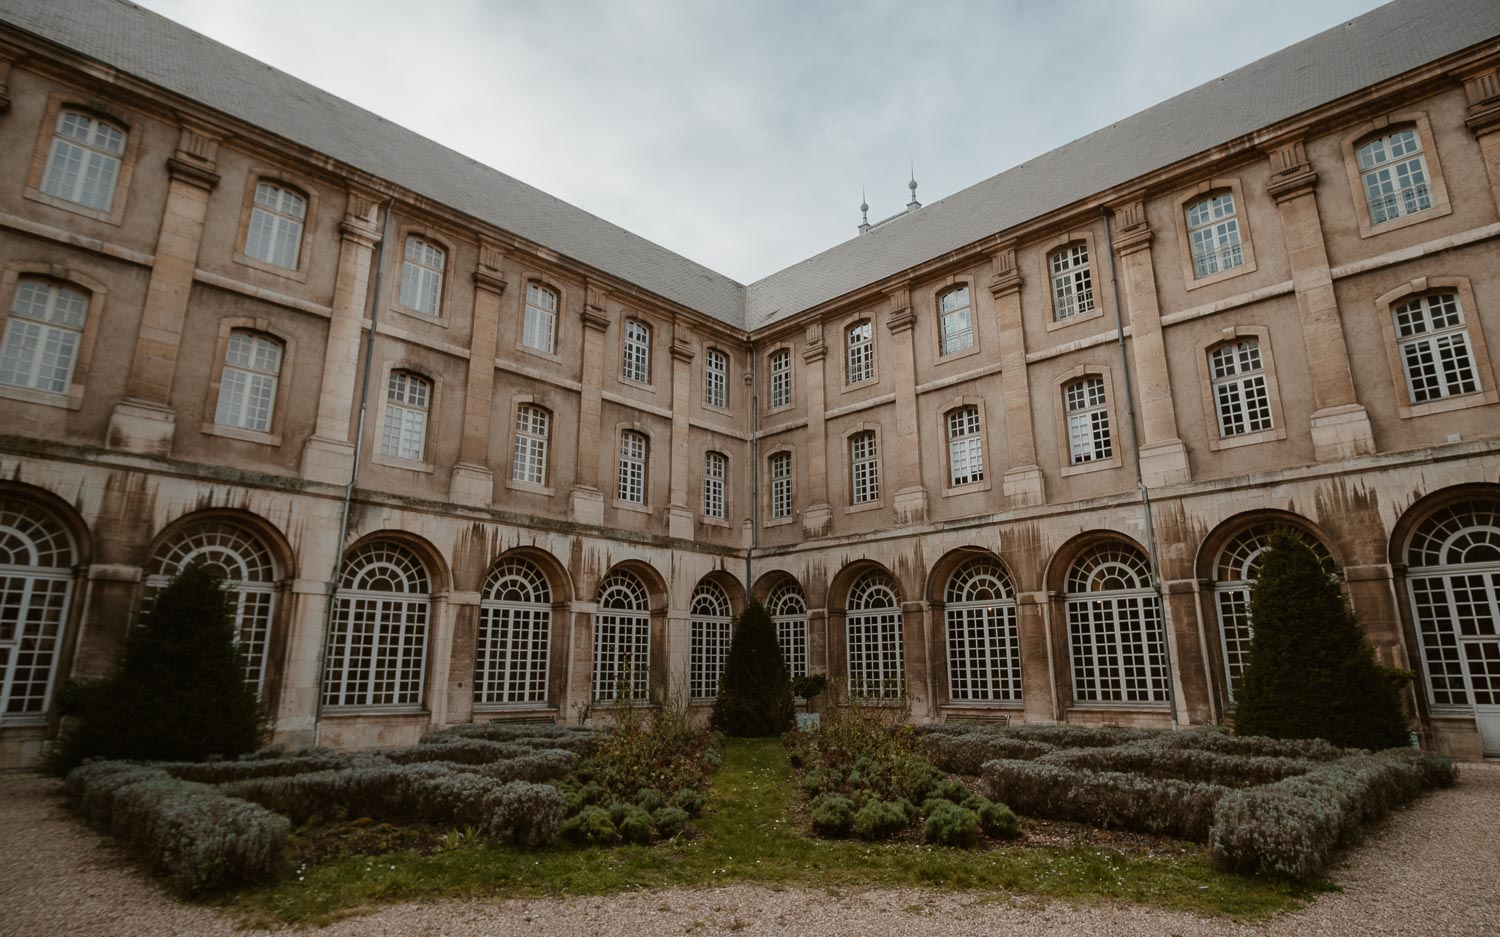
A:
[1140,479]
[359,445]
[754,468]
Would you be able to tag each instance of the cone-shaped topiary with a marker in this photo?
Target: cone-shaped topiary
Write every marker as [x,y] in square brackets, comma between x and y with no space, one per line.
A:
[180,693]
[755,692]
[1311,672]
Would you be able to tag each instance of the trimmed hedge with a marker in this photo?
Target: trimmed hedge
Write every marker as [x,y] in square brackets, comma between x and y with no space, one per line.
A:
[1181,764]
[1105,798]
[966,752]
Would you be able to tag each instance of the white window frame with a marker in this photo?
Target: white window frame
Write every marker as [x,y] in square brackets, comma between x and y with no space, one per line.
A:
[1432,341]
[1086,403]
[635,460]
[965,446]
[864,468]
[41,591]
[780,366]
[1213,231]
[249,381]
[277,217]
[529,456]
[715,479]
[788,608]
[85,160]
[43,335]
[512,659]
[636,363]
[859,357]
[539,330]
[377,646]
[716,379]
[983,643]
[1116,638]
[1393,175]
[780,467]
[710,624]
[956,320]
[622,636]
[872,629]
[408,407]
[1072,281]
[1241,392]
[423,267]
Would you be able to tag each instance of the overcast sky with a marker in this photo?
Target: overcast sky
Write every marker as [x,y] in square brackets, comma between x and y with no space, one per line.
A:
[739,133]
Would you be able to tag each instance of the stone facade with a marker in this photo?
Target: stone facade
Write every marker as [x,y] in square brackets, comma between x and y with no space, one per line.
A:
[1006,440]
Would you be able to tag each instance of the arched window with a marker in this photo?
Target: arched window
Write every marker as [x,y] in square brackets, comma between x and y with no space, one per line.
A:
[716,378]
[781,379]
[965,447]
[533,429]
[956,320]
[635,453]
[859,351]
[781,485]
[408,398]
[1453,578]
[42,335]
[275,234]
[710,625]
[422,276]
[1072,281]
[515,631]
[84,163]
[622,639]
[715,475]
[873,626]
[1235,572]
[864,468]
[247,385]
[540,331]
[637,351]
[1089,438]
[377,647]
[1433,343]
[1214,235]
[1393,172]
[36,586]
[242,559]
[984,649]
[1115,628]
[1241,400]
[788,608]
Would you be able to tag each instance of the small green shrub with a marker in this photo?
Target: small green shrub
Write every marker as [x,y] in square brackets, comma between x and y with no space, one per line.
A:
[832,815]
[635,826]
[995,819]
[948,824]
[669,821]
[649,799]
[879,819]
[689,800]
[812,782]
[591,826]
[950,789]
[617,811]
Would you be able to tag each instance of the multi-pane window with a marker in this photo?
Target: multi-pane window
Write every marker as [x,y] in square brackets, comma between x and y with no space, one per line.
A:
[1393,173]
[42,335]
[408,397]
[1434,347]
[781,379]
[84,163]
[864,468]
[984,648]
[1239,386]
[637,351]
[1115,633]
[250,581]
[276,220]
[622,640]
[965,448]
[36,587]
[873,631]
[1088,421]
[634,451]
[540,330]
[715,475]
[1072,282]
[956,320]
[781,485]
[709,628]
[1453,576]
[377,645]
[422,276]
[1214,235]
[515,631]
[529,461]
[716,378]
[247,386]
[859,351]
[788,608]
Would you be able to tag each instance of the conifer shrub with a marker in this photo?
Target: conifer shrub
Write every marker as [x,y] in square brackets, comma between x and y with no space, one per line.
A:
[1311,672]
[832,815]
[591,826]
[180,693]
[755,692]
[948,824]
[995,819]
[669,821]
[880,819]
[635,826]
[689,800]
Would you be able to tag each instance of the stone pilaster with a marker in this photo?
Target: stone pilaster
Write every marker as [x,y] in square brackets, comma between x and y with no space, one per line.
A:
[1483,92]
[817,516]
[144,421]
[446,677]
[1022,483]
[1038,696]
[1193,696]
[910,499]
[587,499]
[1163,456]
[463,647]
[1340,426]
[329,454]
[679,507]
[473,482]
[297,703]
[914,649]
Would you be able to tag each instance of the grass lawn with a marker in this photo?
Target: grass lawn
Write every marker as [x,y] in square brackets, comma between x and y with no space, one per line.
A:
[750,833]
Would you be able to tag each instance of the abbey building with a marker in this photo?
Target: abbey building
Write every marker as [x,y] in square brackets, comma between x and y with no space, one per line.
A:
[466,452]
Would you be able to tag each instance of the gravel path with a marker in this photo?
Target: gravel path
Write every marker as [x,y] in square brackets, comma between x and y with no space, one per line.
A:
[1435,870]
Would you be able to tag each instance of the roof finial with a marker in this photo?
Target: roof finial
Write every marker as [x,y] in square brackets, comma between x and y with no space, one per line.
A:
[864,211]
[913,205]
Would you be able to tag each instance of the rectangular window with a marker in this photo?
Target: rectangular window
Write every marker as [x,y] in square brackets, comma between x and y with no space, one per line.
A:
[1214,233]
[965,448]
[85,161]
[1239,386]
[864,464]
[247,385]
[404,433]
[1088,421]
[540,330]
[860,352]
[633,453]
[1434,347]
[275,234]
[637,351]
[1072,282]
[781,485]
[715,474]
[422,276]
[957,320]
[529,463]
[42,335]
[716,378]
[781,379]
[1394,175]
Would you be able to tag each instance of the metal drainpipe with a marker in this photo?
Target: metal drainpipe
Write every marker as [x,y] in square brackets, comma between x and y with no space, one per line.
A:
[1140,480]
[359,445]
[754,468]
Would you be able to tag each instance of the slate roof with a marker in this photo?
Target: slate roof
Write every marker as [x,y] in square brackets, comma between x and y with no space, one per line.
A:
[1379,45]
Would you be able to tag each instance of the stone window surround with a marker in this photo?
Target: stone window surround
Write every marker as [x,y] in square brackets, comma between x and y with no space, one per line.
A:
[789,449]
[546,282]
[843,356]
[57,102]
[1436,185]
[546,488]
[985,483]
[1488,393]
[1111,395]
[938,291]
[386,368]
[9,281]
[438,239]
[768,353]
[651,460]
[1048,248]
[1215,441]
[284,179]
[1185,200]
[652,347]
[263,326]
[882,479]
